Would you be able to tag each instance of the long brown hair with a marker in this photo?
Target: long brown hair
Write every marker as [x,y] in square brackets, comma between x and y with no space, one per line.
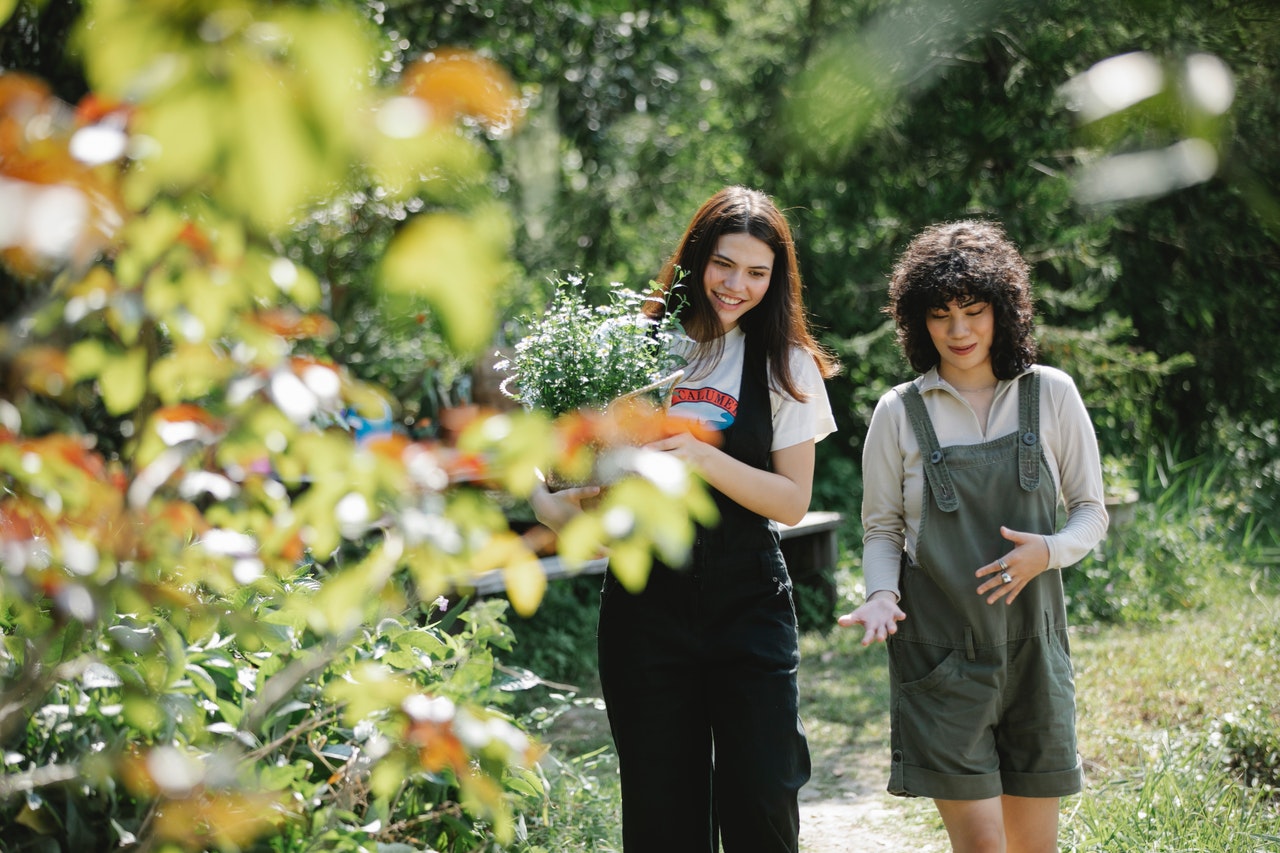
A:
[779,322]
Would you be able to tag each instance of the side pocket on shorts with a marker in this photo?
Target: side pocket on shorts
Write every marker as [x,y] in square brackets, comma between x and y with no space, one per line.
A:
[936,715]
[933,673]
[1062,669]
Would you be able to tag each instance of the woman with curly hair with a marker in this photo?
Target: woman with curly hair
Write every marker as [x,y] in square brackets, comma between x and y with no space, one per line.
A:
[964,471]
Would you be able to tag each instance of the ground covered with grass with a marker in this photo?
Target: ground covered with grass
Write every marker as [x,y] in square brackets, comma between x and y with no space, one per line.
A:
[1179,728]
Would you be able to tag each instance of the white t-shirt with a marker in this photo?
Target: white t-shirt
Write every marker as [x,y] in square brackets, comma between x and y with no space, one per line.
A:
[712,398]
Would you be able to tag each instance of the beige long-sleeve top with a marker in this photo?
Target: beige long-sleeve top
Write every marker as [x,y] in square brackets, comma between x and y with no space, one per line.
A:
[893,470]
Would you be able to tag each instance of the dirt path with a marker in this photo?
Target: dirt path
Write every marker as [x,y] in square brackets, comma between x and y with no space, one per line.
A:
[845,809]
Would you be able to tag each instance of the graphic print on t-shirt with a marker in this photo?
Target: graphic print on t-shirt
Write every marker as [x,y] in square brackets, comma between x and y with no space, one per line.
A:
[714,408]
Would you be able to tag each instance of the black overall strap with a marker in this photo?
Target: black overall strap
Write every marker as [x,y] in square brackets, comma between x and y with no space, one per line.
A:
[1029,430]
[935,461]
[748,439]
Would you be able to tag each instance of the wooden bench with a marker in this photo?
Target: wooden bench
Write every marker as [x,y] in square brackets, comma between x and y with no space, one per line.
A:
[809,547]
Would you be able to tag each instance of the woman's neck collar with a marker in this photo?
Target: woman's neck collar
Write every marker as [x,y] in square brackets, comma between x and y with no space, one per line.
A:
[970,380]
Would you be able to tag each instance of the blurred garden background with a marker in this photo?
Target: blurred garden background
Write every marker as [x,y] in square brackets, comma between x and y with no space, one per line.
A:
[257,260]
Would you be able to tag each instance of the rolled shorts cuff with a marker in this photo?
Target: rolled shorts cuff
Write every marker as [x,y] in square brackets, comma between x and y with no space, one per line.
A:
[1062,783]
[906,780]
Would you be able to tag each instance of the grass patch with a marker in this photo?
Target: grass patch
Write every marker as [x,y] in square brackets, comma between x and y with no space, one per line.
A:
[1179,729]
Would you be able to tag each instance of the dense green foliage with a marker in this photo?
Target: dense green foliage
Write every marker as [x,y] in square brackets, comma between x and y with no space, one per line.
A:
[637,115]
[865,119]
[220,596]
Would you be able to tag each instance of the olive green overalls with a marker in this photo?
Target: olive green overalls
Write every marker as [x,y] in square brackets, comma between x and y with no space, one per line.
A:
[982,698]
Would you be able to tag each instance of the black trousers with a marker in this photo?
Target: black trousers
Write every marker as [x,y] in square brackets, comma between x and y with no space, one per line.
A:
[699,678]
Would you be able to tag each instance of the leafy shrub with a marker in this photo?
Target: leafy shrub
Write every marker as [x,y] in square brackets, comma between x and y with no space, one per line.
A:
[558,642]
[1253,745]
[328,763]
[1193,535]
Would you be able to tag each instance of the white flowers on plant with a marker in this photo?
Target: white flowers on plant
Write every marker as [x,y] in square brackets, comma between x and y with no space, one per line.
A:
[577,355]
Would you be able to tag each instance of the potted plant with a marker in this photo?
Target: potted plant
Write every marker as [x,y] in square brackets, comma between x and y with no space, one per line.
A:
[577,356]
[580,356]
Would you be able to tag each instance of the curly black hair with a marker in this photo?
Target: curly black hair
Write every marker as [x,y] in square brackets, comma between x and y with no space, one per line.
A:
[966,261]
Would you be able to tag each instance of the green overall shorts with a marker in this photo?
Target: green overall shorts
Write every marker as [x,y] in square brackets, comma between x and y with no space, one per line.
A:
[982,696]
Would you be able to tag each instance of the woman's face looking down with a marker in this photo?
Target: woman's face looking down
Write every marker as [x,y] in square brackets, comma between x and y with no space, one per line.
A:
[962,334]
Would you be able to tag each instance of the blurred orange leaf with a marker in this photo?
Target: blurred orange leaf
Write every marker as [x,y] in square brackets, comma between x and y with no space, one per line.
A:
[21,522]
[291,324]
[93,108]
[628,422]
[218,819]
[42,369]
[71,449]
[187,412]
[195,239]
[457,83]
[438,747]
[390,446]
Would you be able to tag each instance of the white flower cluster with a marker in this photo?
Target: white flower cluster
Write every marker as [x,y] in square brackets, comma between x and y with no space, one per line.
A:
[577,355]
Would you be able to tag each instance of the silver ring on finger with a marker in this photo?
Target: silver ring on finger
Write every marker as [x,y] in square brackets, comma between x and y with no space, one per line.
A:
[1006,577]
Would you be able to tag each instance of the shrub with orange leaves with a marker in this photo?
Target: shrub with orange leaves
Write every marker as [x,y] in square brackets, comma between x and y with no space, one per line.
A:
[60,206]
[200,558]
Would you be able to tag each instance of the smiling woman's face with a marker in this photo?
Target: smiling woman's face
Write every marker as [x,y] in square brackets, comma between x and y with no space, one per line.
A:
[962,334]
[737,276]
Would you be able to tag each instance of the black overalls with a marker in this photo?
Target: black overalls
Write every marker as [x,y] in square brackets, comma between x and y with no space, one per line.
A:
[982,695]
[699,677]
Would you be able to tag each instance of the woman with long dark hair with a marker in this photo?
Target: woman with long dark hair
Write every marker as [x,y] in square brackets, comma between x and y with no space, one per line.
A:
[699,669]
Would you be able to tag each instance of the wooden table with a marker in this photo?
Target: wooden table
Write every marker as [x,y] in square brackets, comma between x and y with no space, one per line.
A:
[810,548]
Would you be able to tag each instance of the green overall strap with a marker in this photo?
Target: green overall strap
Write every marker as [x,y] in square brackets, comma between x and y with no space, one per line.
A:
[935,461]
[1029,430]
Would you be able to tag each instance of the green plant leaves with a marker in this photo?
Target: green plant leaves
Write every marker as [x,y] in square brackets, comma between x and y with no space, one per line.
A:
[436,252]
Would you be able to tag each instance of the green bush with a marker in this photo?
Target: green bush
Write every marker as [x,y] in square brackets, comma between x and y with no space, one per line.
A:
[558,642]
[1193,538]
[327,765]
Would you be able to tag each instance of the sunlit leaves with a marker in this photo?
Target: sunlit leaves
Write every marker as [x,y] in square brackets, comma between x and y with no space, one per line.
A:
[857,75]
[524,578]
[190,371]
[185,135]
[185,473]
[435,254]
[54,207]
[518,443]
[1174,110]
[269,99]
[124,380]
